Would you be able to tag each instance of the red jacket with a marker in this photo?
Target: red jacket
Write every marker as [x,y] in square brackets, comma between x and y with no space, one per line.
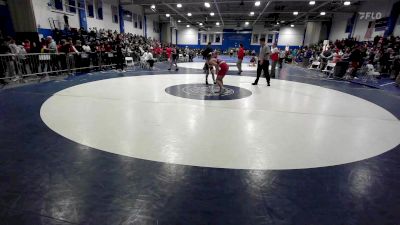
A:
[241,53]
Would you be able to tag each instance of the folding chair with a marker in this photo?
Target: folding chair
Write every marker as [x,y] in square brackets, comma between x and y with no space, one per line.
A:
[329,69]
[129,62]
[315,65]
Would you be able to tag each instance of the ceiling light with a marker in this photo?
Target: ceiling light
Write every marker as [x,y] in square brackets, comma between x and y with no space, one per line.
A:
[179,5]
[323,13]
[292,25]
[251,13]
[179,21]
[153,6]
[217,23]
[257,3]
[167,15]
[189,14]
[296,13]
[277,23]
[188,25]
[247,23]
[201,24]
[282,21]
[312,3]
[207,4]
[346,3]
[212,14]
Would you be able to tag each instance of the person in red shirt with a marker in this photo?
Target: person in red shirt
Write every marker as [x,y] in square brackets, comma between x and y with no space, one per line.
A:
[240,56]
[27,46]
[168,51]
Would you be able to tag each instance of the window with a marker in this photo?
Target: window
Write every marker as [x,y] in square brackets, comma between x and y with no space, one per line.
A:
[90,8]
[114,13]
[57,4]
[99,5]
[217,38]
[255,39]
[204,38]
[135,20]
[270,38]
[71,6]
[211,38]
[127,15]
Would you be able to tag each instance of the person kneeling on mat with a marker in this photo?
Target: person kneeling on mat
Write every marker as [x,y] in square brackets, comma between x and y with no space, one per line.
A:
[221,68]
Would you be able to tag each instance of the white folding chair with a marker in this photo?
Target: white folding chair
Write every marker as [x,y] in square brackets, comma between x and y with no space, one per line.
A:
[129,62]
[329,69]
[315,65]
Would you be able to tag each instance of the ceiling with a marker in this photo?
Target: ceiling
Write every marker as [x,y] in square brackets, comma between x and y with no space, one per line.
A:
[237,12]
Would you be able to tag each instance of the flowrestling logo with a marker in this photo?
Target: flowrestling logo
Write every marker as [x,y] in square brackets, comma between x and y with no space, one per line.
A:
[207,90]
[370,15]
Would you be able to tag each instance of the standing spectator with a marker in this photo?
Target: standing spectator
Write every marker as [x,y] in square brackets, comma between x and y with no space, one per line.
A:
[282,56]
[168,52]
[274,59]
[240,58]
[174,59]
[12,65]
[263,62]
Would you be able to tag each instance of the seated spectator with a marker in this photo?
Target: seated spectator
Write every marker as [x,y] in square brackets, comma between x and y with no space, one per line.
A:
[148,57]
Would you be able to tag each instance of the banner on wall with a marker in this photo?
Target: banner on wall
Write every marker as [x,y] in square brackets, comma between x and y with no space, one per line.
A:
[370,30]
[173,23]
[381,24]
[350,24]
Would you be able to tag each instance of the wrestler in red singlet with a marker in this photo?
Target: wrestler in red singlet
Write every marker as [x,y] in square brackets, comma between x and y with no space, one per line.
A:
[221,68]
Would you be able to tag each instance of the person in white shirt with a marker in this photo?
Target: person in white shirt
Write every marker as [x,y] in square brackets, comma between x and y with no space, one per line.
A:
[263,62]
[148,57]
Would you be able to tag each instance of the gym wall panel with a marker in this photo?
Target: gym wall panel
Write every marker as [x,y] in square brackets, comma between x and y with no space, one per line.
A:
[187,36]
[291,36]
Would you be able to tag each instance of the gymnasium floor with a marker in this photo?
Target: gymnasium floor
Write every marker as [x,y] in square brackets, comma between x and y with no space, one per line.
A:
[159,147]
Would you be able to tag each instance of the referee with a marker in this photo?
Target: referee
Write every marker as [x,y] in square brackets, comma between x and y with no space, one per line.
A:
[263,61]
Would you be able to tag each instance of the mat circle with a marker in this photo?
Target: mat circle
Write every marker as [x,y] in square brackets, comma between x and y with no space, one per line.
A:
[207,92]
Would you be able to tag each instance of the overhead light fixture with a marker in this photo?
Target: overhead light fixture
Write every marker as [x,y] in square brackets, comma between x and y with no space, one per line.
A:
[323,13]
[282,21]
[189,14]
[188,25]
[212,14]
[153,6]
[251,13]
[207,4]
[201,24]
[179,21]
[257,3]
[277,23]
[312,3]
[179,5]
[246,23]
[167,15]
[346,3]
[217,23]
[292,25]
[295,13]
